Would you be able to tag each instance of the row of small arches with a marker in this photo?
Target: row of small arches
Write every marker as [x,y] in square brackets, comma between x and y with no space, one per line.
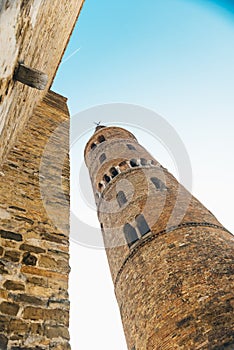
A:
[122,199]
[114,171]
[133,162]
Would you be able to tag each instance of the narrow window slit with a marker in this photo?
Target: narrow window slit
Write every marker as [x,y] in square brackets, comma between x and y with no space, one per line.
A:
[131,147]
[102,158]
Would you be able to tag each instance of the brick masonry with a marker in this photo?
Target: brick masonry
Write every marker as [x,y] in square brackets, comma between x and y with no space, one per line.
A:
[34,256]
[174,283]
[36,33]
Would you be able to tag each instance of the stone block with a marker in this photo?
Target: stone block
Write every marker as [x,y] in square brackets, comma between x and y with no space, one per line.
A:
[56,331]
[29,259]
[13,285]
[3,293]
[28,299]
[3,269]
[31,249]
[4,322]
[11,235]
[12,255]
[58,315]
[3,342]
[48,262]
[42,282]
[18,326]
[9,308]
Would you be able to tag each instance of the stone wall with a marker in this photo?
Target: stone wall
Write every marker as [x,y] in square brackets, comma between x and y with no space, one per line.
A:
[35,32]
[34,229]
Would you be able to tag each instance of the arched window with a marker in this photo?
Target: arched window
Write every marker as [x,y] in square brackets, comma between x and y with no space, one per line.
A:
[131,147]
[93,145]
[121,198]
[130,234]
[113,172]
[123,163]
[142,225]
[100,186]
[133,163]
[102,158]
[143,161]
[159,185]
[106,178]
[101,138]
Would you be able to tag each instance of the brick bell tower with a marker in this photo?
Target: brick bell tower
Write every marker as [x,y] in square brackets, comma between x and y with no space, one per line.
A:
[172,270]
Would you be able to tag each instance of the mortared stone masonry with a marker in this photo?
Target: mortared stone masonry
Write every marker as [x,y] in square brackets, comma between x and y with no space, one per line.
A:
[34,253]
[34,175]
[171,260]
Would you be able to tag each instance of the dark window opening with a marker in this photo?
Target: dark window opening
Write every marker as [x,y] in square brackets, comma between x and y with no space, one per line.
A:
[131,147]
[106,178]
[100,186]
[113,172]
[143,161]
[153,162]
[101,138]
[102,158]
[101,225]
[142,225]
[159,185]
[130,234]
[121,198]
[93,145]
[133,163]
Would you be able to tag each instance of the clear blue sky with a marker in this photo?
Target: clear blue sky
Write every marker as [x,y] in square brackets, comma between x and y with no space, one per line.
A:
[176,58]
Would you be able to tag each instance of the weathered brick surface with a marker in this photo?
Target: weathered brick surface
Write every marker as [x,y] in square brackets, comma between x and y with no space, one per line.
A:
[174,285]
[35,32]
[34,259]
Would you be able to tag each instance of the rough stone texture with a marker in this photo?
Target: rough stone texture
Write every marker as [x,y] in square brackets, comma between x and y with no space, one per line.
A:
[33,32]
[34,259]
[174,285]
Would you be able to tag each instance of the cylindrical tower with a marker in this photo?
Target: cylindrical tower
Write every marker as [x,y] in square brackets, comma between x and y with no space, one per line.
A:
[171,260]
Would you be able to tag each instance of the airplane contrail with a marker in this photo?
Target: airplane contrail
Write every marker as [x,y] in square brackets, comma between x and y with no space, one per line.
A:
[72,54]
